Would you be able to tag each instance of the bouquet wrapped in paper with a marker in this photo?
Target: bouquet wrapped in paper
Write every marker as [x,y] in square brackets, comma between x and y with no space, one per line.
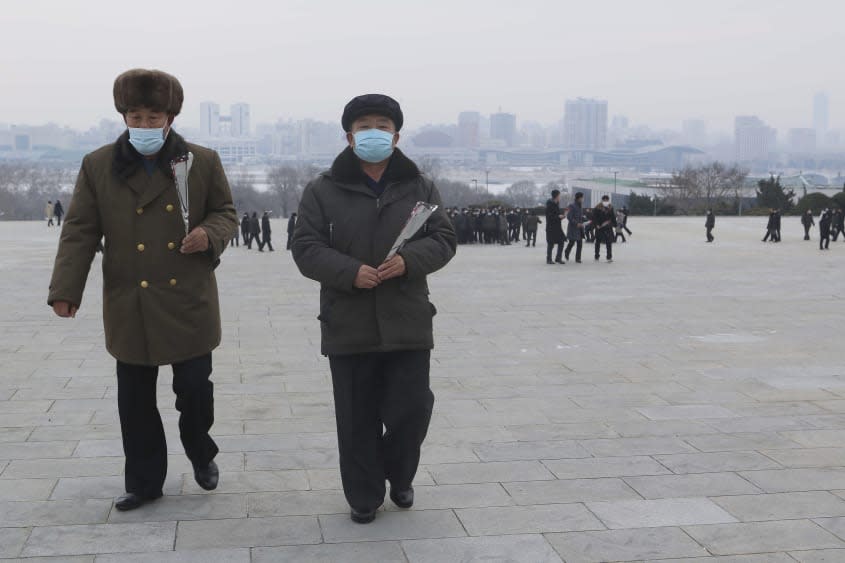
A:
[181,167]
[419,215]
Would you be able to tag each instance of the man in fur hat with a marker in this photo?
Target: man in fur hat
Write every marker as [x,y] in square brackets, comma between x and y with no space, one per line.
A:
[375,315]
[160,303]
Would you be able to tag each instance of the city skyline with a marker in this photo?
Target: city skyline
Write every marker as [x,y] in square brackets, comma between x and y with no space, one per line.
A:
[653,64]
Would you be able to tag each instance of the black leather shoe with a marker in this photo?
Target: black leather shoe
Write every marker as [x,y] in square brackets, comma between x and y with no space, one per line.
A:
[131,501]
[207,476]
[362,517]
[403,499]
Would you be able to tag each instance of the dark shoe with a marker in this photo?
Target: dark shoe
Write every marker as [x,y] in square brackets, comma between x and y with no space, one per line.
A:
[131,501]
[362,517]
[549,262]
[577,261]
[208,476]
[559,262]
[403,499]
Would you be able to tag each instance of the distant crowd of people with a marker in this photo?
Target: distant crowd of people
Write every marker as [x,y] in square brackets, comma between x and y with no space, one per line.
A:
[258,231]
[602,225]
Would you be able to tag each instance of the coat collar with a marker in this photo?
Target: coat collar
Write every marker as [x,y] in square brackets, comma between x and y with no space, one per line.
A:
[127,161]
[346,168]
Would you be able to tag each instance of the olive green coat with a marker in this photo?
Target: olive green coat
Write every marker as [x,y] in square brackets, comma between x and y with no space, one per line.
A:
[159,306]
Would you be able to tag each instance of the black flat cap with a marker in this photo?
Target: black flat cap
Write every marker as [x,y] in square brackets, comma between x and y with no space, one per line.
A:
[370,104]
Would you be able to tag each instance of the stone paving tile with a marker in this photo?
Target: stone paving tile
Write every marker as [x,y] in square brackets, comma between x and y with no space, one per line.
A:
[186,507]
[296,503]
[763,537]
[103,538]
[659,513]
[405,525]
[819,556]
[686,412]
[50,513]
[786,480]
[248,532]
[605,467]
[636,446]
[470,495]
[12,541]
[694,485]
[513,549]
[55,468]
[369,552]
[740,441]
[835,525]
[782,506]
[491,472]
[514,451]
[527,519]
[717,462]
[241,555]
[25,489]
[251,481]
[625,545]
[570,490]
[82,488]
[756,558]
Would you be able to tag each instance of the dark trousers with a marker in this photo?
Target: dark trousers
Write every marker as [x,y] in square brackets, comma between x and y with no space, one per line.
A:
[807,232]
[144,443]
[383,406]
[266,241]
[773,234]
[710,237]
[236,240]
[621,233]
[558,254]
[626,229]
[290,240]
[59,220]
[531,235]
[253,238]
[824,241]
[605,238]
[573,242]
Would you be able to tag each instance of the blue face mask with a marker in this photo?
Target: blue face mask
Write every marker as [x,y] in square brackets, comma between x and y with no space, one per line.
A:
[146,141]
[373,145]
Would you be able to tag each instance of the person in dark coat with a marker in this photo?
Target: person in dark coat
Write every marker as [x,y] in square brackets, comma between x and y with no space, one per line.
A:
[375,314]
[625,214]
[291,229]
[807,222]
[777,224]
[245,229]
[488,226]
[837,225]
[554,230]
[575,228]
[255,233]
[771,233]
[589,226]
[503,228]
[709,225]
[531,222]
[604,218]
[266,231]
[160,299]
[824,229]
[59,212]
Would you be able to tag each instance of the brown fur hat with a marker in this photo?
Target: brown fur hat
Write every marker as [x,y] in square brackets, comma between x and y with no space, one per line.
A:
[142,88]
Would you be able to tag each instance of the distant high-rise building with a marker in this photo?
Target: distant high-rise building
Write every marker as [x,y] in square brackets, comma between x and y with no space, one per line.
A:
[503,127]
[802,140]
[820,115]
[240,120]
[469,128]
[209,119]
[619,122]
[694,132]
[754,139]
[585,124]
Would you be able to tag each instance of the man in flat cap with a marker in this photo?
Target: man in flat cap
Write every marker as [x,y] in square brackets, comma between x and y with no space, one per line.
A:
[375,315]
[160,302]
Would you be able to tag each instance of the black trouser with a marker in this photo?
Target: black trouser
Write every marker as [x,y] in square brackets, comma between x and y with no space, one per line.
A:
[573,242]
[49,221]
[836,232]
[59,220]
[245,236]
[290,241]
[773,234]
[144,443]
[607,239]
[253,238]
[621,234]
[824,241]
[558,254]
[236,240]
[531,235]
[806,232]
[626,229]
[383,406]
[710,237]
[266,237]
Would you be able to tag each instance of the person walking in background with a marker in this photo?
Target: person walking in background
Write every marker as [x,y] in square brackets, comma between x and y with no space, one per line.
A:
[266,231]
[604,218]
[254,233]
[530,229]
[824,229]
[503,228]
[771,233]
[808,223]
[625,214]
[709,225]
[777,224]
[245,229]
[59,212]
[620,227]
[554,230]
[49,210]
[837,224]
[575,228]
[291,229]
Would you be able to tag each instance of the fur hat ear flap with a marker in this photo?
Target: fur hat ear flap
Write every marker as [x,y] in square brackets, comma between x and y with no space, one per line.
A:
[153,89]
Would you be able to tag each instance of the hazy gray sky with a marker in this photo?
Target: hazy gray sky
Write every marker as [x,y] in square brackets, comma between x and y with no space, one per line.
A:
[656,61]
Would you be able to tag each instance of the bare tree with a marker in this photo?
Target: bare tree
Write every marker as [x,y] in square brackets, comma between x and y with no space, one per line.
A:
[523,194]
[288,182]
[695,186]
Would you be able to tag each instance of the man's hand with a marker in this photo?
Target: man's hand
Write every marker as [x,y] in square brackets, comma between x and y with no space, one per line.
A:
[65,309]
[393,268]
[367,277]
[196,241]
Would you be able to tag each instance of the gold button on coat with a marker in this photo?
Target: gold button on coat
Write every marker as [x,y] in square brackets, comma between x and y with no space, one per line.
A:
[141,247]
[140,211]
[144,284]
[171,245]
[169,207]
[172,281]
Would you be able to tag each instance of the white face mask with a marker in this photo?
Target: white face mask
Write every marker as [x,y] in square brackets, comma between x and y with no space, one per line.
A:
[606,203]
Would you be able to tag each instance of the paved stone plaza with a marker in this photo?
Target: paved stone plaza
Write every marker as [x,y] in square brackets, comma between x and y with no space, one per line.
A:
[684,403]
